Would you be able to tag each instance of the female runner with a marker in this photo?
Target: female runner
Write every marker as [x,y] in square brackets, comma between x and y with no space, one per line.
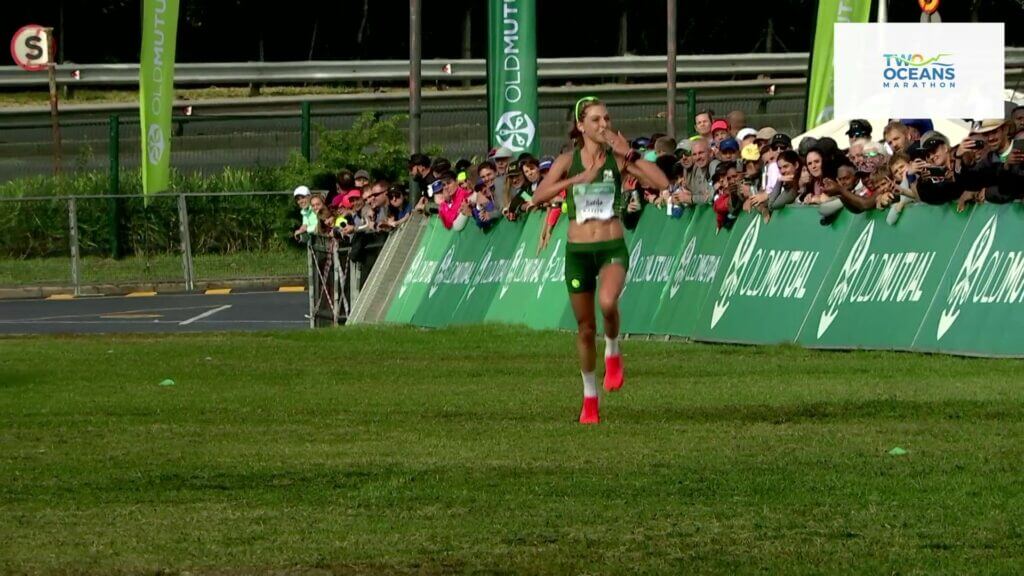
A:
[596,257]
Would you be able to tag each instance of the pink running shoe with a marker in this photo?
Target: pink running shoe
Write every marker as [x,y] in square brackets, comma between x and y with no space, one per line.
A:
[613,373]
[589,414]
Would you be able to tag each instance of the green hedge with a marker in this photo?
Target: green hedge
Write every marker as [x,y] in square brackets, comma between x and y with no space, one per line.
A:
[39,228]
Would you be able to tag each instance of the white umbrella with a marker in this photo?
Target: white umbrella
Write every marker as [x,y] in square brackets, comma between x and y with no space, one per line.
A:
[955,130]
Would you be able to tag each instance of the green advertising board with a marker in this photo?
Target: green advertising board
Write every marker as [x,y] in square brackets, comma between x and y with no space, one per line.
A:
[653,256]
[532,291]
[770,277]
[699,257]
[416,280]
[979,305]
[937,280]
[878,293]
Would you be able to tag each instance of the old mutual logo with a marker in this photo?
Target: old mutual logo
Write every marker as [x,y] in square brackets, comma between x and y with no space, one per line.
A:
[694,267]
[969,275]
[155,144]
[880,277]
[733,273]
[763,274]
[515,130]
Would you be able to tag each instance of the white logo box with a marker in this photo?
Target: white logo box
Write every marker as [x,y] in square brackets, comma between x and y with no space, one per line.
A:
[904,70]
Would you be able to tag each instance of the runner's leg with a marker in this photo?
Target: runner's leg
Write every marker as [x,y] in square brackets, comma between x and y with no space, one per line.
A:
[583,308]
[611,282]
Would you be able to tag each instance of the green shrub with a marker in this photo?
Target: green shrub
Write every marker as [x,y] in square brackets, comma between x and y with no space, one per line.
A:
[35,228]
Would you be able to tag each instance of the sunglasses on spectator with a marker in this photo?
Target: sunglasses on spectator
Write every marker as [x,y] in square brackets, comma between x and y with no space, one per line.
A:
[779,147]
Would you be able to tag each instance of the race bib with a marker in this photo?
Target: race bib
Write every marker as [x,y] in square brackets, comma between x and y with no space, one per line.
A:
[595,201]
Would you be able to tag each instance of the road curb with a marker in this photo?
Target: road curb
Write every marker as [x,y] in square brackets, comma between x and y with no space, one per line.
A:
[122,289]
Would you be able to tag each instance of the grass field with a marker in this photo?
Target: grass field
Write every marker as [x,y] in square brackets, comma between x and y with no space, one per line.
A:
[321,453]
[160,267]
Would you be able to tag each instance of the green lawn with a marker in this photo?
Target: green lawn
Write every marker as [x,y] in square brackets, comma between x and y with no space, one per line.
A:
[313,453]
[163,267]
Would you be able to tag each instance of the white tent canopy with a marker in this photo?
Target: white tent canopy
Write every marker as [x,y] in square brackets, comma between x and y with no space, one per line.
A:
[955,130]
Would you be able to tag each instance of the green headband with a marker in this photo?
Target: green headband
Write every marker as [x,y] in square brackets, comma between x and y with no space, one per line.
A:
[576,115]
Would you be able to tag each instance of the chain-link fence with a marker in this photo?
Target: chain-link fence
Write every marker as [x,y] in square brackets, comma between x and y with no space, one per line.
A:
[194,240]
[211,143]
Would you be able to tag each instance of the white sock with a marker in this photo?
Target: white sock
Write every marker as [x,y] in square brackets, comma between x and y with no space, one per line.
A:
[611,347]
[589,385]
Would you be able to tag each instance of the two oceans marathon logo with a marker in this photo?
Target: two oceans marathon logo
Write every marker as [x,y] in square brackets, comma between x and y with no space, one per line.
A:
[986,276]
[876,277]
[915,71]
[759,273]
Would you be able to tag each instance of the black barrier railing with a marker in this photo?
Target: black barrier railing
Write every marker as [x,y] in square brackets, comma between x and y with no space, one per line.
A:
[336,278]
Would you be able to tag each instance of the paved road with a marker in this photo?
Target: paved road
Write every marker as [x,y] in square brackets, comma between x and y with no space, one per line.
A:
[156,314]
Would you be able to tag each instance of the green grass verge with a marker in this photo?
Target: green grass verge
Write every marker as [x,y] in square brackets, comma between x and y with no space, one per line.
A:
[163,267]
[314,453]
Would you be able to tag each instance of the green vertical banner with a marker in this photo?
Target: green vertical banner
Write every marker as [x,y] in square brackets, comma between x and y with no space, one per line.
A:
[820,80]
[512,75]
[156,91]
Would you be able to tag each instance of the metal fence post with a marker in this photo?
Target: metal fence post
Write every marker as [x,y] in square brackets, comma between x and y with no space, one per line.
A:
[306,151]
[186,244]
[76,279]
[337,289]
[312,288]
[691,111]
[354,281]
[114,180]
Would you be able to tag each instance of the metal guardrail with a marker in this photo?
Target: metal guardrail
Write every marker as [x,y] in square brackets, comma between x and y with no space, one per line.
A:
[398,70]
[398,101]
[315,72]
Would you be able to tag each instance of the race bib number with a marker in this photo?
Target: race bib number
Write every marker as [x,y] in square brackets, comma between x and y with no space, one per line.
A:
[594,201]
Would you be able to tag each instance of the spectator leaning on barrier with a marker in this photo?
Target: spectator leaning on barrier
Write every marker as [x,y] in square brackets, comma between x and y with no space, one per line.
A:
[531,171]
[399,209]
[897,136]
[420,176]
[520,193]
[485,211]
[698,181]
[343,182]
[502,157]
[770,152]
[745,137]
[786,188]
[309,223]
[719,132]
[750,157]
[728,153]
[324,216]
[937,179]
[814,191]
[1017,118]
[451,200]
[985,155]
[361,178]
[729,198]
[376,199]
[859,129]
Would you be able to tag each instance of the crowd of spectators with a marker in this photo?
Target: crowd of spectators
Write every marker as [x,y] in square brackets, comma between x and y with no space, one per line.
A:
[727,165]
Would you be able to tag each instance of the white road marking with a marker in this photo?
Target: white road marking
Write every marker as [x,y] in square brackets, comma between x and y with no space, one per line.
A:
[206,314]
